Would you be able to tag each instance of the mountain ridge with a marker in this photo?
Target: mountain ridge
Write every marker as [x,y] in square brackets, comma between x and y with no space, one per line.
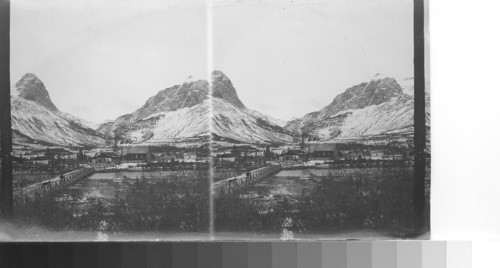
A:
[36,119]
[192,101]
[379,106]
[187,112]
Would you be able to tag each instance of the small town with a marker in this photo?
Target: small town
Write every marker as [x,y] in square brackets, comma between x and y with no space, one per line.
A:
[236,157]
[143,156]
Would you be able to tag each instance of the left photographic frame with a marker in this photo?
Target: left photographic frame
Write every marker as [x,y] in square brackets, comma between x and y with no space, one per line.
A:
[97,147]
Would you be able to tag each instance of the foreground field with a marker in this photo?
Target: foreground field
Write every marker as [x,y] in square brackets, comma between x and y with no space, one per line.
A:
[177,202]
[365,200]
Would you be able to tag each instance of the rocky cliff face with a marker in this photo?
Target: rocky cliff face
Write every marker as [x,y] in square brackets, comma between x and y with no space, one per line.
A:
[223,89]
[31,88]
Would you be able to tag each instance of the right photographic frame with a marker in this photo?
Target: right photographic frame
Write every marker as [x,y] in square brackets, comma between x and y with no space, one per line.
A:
[320,120]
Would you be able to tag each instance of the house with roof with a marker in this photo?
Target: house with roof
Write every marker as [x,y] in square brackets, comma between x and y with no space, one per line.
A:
[170,158]
[228,158]
[354,155]
[221,151]
[189,157]
[39,161]
[55,153]
[106,158]
[33,156]
[291,155]
[393,157]
[137,154]
[377,154]
[322,151]
[156,156]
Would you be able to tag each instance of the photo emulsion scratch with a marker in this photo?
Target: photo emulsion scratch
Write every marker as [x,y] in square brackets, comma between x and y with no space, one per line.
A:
[210,64]
[218,120]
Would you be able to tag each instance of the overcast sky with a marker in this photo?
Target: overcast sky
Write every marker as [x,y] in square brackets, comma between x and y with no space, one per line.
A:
[101,59]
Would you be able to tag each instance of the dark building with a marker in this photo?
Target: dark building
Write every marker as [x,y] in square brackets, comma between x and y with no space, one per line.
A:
[137,154]
[106,158]
[291,155]
[324,151]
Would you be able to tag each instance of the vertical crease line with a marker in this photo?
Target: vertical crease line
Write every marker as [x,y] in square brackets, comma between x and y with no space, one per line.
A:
[209,29]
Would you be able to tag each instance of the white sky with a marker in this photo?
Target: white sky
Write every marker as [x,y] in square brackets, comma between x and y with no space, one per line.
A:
[101,59]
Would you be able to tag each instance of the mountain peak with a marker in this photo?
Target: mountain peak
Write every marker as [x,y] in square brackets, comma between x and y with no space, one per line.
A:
[191,79]
[375,92]
[30,87]
[222,88]
[30,76]
[219,75]
[379,76]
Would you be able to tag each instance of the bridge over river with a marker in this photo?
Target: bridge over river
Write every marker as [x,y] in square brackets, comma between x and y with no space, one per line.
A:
[235,183]
[43,188]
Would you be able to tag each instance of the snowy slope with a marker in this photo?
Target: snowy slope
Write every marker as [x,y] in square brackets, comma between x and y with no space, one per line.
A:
[171,126]
[183,112]
[408,85]
[392,117]
[81,121]
[378,107]
[36,120]
[269,118]
[231,122]
[33,123]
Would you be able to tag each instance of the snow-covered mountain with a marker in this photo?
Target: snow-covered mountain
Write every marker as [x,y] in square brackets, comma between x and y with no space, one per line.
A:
[188,113]
[379,107]
[175,113]
[36,120]
[183,113]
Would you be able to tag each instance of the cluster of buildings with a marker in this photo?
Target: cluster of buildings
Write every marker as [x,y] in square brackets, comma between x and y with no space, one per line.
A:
[43,156]
[132,154]
[144,154]
[226,156]
[232,154]
[329,152]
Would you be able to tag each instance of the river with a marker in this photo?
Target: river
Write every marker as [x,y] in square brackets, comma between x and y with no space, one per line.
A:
[286,183]
[105,186]
[292,183]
